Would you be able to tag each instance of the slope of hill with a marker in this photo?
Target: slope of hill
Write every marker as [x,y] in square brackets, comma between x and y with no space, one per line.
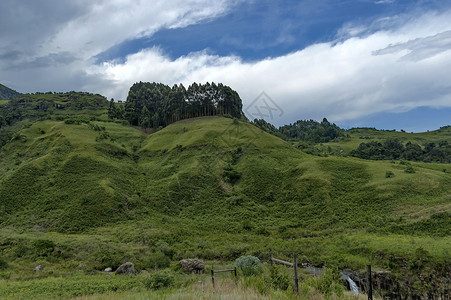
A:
[6,93]
[100,193]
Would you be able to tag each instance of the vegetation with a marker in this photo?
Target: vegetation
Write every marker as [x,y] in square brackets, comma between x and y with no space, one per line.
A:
[7,93]
[151,105]
[80,192]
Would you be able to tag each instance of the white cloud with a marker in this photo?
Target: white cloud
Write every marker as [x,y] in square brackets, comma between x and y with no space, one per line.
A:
[340,81]
[70,33]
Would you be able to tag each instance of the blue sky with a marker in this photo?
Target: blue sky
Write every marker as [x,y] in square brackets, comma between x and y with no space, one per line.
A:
[258,29]
[376,63]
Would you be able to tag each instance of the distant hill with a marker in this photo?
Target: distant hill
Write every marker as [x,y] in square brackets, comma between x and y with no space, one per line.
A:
[6,93]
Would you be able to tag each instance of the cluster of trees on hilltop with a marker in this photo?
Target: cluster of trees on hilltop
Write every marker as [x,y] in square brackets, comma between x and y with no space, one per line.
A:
[304,130]
[393,149]
[152,105]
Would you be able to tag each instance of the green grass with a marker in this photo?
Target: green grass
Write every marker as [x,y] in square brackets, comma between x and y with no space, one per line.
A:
[101,193]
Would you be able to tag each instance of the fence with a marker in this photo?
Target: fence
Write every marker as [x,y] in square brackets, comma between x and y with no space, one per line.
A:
[213,271]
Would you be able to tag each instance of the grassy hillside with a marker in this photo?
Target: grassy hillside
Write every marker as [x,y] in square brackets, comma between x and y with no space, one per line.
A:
[7,93]
[96,194]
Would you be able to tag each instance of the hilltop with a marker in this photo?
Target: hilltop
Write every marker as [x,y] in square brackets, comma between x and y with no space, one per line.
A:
[6,93]
[88,190]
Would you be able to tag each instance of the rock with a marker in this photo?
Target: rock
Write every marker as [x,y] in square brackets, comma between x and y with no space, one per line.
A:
[38,268]
[109,276]
[126,269]
[192,266]
[108,270]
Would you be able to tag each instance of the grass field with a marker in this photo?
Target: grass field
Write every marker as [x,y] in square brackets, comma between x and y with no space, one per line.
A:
[96,194]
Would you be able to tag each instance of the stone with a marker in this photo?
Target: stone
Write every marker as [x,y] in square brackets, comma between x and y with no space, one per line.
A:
[108,270]
[126,269]
[38,268]
[190,266]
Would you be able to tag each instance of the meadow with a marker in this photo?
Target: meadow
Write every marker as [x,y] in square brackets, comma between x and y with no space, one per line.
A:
[80,194]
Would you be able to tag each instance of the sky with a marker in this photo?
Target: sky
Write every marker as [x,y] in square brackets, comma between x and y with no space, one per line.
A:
[372,63]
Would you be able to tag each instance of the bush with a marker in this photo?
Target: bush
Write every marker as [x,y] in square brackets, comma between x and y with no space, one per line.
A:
[389,174]
[409,169]
[249,265]
[43,247]
[158,260]
[279,279]
[159,280]
[3,264]
[328,284]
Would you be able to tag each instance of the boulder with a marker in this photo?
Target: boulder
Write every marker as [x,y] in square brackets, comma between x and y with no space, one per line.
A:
[126,269]
[108,270]
[192,266]
[38,268]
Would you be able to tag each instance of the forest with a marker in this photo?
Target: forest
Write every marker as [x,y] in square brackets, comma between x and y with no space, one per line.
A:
[154,105]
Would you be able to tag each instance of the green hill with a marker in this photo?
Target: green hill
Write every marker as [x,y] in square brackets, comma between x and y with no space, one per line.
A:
[6,93]
[81,191]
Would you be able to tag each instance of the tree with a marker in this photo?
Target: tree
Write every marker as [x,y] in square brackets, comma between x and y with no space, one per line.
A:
[112,112]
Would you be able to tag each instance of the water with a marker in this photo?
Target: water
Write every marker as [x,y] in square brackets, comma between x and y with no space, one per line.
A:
[352,284]
[315,272]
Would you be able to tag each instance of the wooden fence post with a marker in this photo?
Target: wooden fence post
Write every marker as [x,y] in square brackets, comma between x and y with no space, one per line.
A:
[236,275]
[370,284]
[213,276]
[296,279]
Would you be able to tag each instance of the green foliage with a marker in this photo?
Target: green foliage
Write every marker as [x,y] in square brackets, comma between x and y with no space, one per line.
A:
[328,284]
[231,175]
[159,280]
[158,260]
[389,174]
[43,247]
[279,278]
[7,93]
[3,264]
[409,169]
[249,265]
[303,130]
[392,148]
[155,104]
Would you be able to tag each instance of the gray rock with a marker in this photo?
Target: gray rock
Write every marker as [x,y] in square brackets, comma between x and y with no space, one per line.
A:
[192,266]
[38,268]
[126,269]
[108,270]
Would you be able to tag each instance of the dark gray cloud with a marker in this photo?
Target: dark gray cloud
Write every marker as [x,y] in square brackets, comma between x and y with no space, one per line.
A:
[52,59]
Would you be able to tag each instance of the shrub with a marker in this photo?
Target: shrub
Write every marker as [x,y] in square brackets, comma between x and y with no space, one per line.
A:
[328,284]
[159,280]
[158,260]
[3,264]
[249,265]
[43,247]
[279,279]
[409,169]
[389,174]
[230,175]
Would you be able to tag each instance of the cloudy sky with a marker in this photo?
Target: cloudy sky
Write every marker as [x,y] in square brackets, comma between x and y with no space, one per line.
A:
[378,63]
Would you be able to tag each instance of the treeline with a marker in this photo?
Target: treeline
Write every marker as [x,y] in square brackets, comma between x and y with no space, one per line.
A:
[151,105]
[393,149]
[304,130]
